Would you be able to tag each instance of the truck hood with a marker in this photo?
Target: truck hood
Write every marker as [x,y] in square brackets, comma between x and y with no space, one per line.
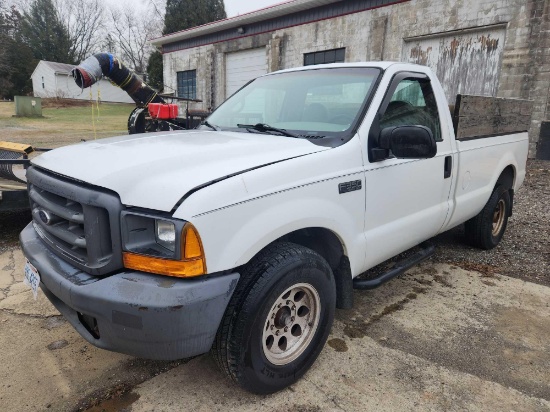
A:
[155,170]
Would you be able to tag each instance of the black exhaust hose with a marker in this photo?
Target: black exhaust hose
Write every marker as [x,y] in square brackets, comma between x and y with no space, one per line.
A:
[91,70]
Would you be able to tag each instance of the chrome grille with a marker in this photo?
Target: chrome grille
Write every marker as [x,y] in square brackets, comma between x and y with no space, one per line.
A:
[76,221]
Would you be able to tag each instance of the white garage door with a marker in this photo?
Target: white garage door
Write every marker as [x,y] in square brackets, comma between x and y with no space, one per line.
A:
[243,66]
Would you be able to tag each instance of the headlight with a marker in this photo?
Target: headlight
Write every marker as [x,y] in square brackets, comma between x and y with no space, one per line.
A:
[165,234]
[162,245]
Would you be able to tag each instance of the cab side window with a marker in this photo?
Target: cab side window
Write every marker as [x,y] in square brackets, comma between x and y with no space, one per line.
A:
[413,104]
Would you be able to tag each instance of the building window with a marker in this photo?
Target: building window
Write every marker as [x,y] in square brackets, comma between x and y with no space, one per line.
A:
[187,84]
[323,57]
[43,82]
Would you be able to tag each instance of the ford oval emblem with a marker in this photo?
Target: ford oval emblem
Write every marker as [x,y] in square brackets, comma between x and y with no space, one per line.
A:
[45,217]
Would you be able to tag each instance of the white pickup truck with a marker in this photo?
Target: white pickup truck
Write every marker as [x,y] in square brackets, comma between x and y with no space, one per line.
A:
[243,236]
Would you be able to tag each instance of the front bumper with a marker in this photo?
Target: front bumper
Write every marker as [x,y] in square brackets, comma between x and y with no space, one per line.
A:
[144,315]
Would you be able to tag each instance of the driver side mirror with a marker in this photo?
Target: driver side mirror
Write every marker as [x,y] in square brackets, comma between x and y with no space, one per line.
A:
[408,142]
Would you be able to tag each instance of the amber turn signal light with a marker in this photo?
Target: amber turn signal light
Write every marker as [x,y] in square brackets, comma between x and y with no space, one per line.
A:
[191,245]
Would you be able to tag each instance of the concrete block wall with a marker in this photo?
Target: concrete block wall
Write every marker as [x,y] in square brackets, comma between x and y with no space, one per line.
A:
[525,69]
[379,34]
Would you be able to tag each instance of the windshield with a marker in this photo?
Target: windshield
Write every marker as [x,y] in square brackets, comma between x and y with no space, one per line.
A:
[314,104]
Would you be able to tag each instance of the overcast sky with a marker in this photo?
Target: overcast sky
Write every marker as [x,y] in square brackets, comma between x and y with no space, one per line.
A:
[232,7]
[235,7]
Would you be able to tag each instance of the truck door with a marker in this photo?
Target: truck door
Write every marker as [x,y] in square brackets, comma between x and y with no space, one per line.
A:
[406,200]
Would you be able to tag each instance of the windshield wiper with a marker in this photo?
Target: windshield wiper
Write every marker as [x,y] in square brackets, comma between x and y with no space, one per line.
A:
[212,126]
[261,127]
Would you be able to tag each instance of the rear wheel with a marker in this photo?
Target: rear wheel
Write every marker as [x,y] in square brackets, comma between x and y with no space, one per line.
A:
[278,319]
[487,228]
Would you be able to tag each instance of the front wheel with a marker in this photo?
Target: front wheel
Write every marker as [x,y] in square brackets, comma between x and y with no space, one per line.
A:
[487,228]
[278,319]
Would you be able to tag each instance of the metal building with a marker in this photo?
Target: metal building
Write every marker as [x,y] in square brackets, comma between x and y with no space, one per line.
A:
[484,47]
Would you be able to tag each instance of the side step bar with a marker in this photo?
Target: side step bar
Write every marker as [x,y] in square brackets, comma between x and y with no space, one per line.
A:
[425,252]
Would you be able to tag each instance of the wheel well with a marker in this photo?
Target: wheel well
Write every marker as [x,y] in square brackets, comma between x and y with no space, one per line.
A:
[322,241]
[507,177]
[327,244]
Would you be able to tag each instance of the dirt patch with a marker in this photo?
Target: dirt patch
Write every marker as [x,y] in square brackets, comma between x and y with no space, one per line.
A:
[339,345]
[417,289]
[429,271]
[486,271]
[116,403]
[442,281]
[426,282]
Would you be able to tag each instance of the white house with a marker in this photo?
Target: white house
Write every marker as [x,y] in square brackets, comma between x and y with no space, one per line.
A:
[51,79]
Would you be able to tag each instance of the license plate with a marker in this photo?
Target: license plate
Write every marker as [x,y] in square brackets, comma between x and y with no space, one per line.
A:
[32,278]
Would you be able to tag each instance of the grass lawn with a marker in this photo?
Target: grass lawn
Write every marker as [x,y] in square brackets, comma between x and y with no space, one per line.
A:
[64,125]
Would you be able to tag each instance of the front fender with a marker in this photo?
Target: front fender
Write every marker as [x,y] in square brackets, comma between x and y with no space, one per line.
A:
[233,235]
[238,217]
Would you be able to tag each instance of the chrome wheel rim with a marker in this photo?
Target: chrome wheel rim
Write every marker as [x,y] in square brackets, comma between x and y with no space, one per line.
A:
[498,217]
[291,324]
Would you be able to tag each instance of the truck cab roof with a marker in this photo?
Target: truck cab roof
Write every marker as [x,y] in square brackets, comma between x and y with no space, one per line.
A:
[383,65]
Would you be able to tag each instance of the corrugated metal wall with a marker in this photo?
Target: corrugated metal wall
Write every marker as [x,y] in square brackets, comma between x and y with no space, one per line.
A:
[466,62]
[319,13]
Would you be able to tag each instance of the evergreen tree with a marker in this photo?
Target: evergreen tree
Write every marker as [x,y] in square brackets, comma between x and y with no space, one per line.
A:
[181,15]
[45,34]
[16,58]
[184,14]
[154,70]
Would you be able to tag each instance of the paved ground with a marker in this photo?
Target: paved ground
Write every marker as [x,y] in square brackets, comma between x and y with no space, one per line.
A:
[440,338]
[45,363]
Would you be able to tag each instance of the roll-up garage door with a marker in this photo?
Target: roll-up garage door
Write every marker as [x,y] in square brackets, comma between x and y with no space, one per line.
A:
[243,66]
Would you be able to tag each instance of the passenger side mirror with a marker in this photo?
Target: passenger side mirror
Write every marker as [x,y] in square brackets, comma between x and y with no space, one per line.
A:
[408,142]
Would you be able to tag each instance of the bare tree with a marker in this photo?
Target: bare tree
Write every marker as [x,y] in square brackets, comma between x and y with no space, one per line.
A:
[84,21]
[158,7]
[131,32]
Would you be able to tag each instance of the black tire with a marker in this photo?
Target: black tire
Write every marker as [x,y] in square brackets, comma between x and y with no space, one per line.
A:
[239,348]
[136,121]
[482,231]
